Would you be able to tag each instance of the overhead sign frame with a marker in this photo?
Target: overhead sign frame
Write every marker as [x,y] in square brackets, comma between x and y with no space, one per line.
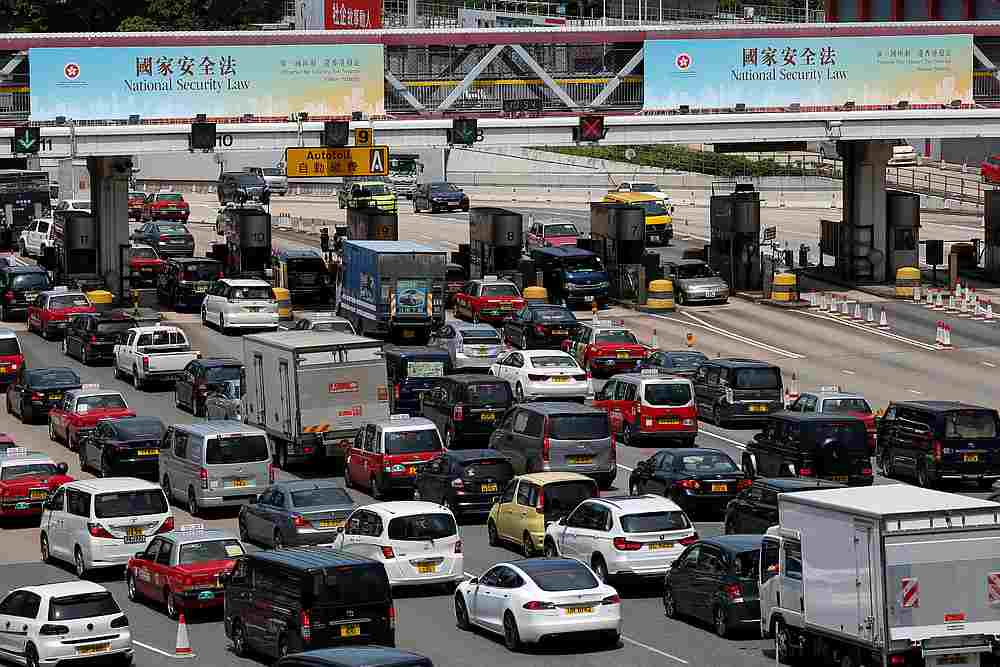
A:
[323,162]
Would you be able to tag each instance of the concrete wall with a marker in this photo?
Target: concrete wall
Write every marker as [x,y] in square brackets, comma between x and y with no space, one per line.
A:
[968,151]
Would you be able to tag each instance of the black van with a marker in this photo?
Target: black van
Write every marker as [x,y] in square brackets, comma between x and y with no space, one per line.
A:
[728,390]
[820,446]
[287,601]
[938,441]
[19,285]
[412,371]
[467,407]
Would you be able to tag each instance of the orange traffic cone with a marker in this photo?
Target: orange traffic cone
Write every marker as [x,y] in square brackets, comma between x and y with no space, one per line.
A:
[183,649]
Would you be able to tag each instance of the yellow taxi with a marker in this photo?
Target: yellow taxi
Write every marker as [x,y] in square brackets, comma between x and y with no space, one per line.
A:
[530,502]
[659,222]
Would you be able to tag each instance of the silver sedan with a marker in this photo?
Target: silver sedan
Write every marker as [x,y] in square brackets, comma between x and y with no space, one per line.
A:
[296,513]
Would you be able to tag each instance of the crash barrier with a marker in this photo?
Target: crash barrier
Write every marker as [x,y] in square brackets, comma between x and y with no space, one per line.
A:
[535,294]
[907,279]
[660,295]
[784,287]
[284,299]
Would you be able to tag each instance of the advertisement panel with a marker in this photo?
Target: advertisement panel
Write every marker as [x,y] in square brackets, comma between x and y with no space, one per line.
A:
[180,82]
[820,71]
[481,18]
[412,297]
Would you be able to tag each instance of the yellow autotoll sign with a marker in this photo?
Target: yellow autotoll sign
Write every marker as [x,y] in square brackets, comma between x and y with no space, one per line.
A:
[363,136]
[319,162]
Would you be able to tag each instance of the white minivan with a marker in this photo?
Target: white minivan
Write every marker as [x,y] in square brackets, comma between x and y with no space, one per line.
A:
[100,523]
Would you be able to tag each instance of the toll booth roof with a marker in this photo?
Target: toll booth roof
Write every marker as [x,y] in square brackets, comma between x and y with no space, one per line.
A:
[394,246]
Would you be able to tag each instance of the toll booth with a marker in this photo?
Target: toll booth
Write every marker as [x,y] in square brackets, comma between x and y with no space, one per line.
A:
[735,234]
[902,210]
[76,249]
[372,224]
[496,237]
[248,241]
[618,237]
[991,232]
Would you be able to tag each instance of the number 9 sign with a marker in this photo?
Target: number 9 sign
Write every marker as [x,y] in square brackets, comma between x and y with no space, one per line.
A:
[363,136]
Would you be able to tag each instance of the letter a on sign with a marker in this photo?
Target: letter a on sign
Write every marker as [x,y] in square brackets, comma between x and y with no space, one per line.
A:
[377,165]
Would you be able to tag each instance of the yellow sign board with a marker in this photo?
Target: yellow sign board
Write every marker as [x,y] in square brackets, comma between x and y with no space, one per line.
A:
[319,162]
[363,136]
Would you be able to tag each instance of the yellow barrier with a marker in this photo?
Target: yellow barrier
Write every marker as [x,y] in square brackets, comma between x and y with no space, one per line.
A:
[102,299]
[284,299]
[785,287]
[660,295]
[536,294]
[907,277]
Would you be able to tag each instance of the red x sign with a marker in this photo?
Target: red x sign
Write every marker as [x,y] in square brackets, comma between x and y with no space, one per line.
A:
[591,128]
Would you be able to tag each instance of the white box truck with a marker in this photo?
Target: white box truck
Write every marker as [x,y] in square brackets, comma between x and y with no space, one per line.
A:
[311,391]
[883,575]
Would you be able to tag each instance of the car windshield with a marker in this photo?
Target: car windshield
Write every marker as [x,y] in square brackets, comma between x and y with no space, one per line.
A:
[9,347]
[85,404]
[555,361]
[847,434]
[424,369]
[706,462]
[685,359]
[251,293]
[84,605]
[562,497]
[29,470]
[556,576]
[442,188]
[218,374]
[971,424]
[33,280]
[321,497]
[481,337]
[841,406]
[268,171]
[488,393]
[201,272]
[562,229]
[143,253]
[143,428]
[688,271]
[249,181]
[170,196]
[68,301]
[237,449]
[422,527]
[652,208]
[130,503]
[173,229]
[411,442]
[500,290]
[667,393]
[644,187]
[493,468]
[455,275]
[552,314]
[306,265]
[582,264]
[758,378]
[623,336]
[202,552]
[655,522]
[374,189]
[52,377]
[579,427]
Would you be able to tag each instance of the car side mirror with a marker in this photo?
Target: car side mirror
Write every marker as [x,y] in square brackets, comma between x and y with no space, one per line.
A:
[561,521]
[62,468]
[758,437]
[474,581]
[140,555]
[225,577]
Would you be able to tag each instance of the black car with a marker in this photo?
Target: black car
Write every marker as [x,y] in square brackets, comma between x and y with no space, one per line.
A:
[756,509]
[737,390]
[439,196]
[539,326]
[715,580]
[38,390]
[676,362]
[200,377]
[19,285]
[693,478]
[937,441]
[413,370]
[92,338]
[283,601]
[824,446]
[467,407]
[465,481]
[240,186]
[184,281]
[124,446]
[169,239]
[356,656]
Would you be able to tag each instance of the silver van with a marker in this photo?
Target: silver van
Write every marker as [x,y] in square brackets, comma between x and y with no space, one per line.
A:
[215,464]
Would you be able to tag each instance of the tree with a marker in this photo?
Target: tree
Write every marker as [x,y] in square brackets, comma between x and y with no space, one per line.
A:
[138,24]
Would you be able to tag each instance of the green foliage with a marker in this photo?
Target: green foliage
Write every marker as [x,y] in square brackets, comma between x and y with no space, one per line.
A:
[135,16]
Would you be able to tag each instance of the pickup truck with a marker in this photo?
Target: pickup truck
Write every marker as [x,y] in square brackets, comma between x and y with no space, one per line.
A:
[154,353]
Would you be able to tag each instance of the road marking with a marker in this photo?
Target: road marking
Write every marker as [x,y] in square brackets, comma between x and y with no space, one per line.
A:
[847,371]
[990,364]
[154,649]
[732,442]
[914,391]
[624,467]
[742,339]
[655,650]
[877,332]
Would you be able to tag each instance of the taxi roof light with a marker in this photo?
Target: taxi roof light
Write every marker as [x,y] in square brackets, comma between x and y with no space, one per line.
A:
[831,387]
[60,288]
[399,417]
[190,528]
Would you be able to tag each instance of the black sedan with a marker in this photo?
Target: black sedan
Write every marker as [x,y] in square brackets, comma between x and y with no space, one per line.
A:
[539,327]
[38,390]
[296,513]
[439,196]
[715,580]
[199,378]
[92,338]
[127,446]
[695,479]
[465,481]
[676,362]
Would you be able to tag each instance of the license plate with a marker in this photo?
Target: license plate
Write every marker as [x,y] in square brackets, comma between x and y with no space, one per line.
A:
[93,648]
[581,460]
[572,611]
[200,290]
[839,478]
[453,204]
[38,494]
[560,332]
[21,506]
[953,660]
[758,408]
[488,488]
[411,470]
[330,523]
[622,355]
[55,397]
[506,305]
[251,309]
[239,483]
[560,379]
[720,488]
[668,420]
[588,298]
[655,546]
[711,293]
[488,417]
[426,568]
[409,333]
[30,296]
[149,452]
[970,458]
[206,595]
[133,532]
[134,540]
[654,238]
[353,630]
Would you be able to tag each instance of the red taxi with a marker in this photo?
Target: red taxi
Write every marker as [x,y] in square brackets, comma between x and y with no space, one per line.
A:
[386,454]
[551,234]
[136,199]
[489,299]
[80,410]
[51,310]
[144,263]
[181,569]
[650,406]
[11,357]
[166,206]
[605,348]
[26,480]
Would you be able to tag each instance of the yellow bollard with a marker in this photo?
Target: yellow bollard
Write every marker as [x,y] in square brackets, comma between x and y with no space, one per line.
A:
[785,287]
[660,295]
[101,299]
[535,294]
[907,277]
[284,299]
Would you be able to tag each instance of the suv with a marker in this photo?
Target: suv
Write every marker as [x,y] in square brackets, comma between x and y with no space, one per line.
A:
[728,390]
[835,401]
[810,445]
[214,464]
[464,481]
[411,372]
[558,436]
[38,235]
[92,337]
[20,285]
[572,275]
[470,347]
[756,509]
[184,281]
[934,441]
[282,602]
[276,180]
[650,406]
[231,183]
[367,194]
[466,408]
[240,303]
[386,454]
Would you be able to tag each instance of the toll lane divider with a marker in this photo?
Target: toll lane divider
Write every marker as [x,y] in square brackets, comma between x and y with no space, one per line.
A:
[867,329]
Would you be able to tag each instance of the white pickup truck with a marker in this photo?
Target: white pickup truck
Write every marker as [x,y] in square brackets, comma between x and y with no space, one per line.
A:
[151,354]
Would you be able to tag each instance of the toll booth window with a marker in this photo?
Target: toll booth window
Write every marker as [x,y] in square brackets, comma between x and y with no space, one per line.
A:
[582,264]
[687,271]
[652,208]
[622,336]
[793,560]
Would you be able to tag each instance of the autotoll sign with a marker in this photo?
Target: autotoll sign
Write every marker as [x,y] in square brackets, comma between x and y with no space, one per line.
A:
[320,162]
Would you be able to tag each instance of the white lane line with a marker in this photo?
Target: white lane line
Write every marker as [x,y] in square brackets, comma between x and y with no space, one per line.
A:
[624,467]
[877,332]
[989,364]
[914,391]
[847,371]
[738,445]
[654,650]
[154,649]
[698,322]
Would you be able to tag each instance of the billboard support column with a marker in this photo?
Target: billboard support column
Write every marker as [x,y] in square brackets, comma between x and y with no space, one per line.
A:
[864,259]
[109,178]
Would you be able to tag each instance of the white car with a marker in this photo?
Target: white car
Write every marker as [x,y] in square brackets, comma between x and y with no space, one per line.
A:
[417,542]
[536,598]
[542,374]
[63,623]
[240,303]
[36,237]
[646,188]
[100,523]
[622,536]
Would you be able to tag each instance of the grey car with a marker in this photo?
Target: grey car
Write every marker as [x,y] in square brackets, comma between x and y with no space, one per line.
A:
[318,322]
[296,513]
[169,239]
[223,401]
[471,347]
[696,282]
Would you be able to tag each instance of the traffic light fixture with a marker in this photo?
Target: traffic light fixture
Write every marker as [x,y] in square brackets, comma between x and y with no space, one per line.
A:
[590,128]
[324,239]
[26,140]
[464,131]
[335,133]
[202,136]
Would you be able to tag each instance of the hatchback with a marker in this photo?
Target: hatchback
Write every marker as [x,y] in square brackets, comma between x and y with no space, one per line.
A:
[472,348]
[737,390]
[240,303]
[466,408]
[465,481]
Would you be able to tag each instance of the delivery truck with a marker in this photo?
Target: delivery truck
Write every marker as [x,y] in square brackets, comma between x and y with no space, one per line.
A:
[882,575]
[393,289]
[311,391]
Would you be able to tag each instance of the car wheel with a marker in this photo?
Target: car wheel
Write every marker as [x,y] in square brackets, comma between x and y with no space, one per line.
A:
[223,329]
[196,408]
[104,470]
[635,489]
[519,392]
[72,443]
[669,604]
[600,568]
[117,372]
[83,459]
[781,644]
[4,313]
[177,400]
[27,415]
[136,380]
[527,546]
[748,468]
[721,625]
[79,564]
[681,299]
[204,318]
[492,535]
[52,431]
[376,488]
[239,640]
[449,438]
[923,478]
[277,541]
[283,456]
[282,646]
[461,613]
[511,637]
[717,417]
[130,589]
[84,356]
[193,508]
[65,348]
[30,656]
[44,548]
[886,463]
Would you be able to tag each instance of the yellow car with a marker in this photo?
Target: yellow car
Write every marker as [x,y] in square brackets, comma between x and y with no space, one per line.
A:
[659,222]
[367,194]
[531,502]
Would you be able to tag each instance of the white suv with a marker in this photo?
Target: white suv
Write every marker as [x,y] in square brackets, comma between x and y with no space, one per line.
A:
[234,302]
[621,536]
[64,623]
[38,235]
[99,523]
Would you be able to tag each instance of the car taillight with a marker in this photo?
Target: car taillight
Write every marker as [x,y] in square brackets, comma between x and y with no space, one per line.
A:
[36,396]
[689,540]
[458,547]
[536,378]
[458,413]
[733,591]
[50,629]
[614,449]
[8,295]
[396,391]
[938,449]
[203,476]
[546,442]
[538,605]
[387,552]
[897,659]
[866,472]
[540,503]
[164,237]
[270,473]
[305,625]
[145,363]
[300,521]
[392,618]
[624,544]
[539,329]
[744,484]
[120,622]
[97,530]
[457,484]
[221,275]
[805,472]
[612,599]
[166,526]
[691,484]
[93,339]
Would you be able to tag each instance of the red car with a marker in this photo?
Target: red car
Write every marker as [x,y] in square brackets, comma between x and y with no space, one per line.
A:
[26,481]
[990,169]
[166,206]
[650,407]
[489,299]
[11,357]
[80,410]
[606,348]
[144,263]
[50,311]
[456,278]
[136,200]
[180,569]
[549,234]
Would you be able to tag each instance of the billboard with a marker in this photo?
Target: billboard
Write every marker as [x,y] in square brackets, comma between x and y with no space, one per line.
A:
[180,82]
[820,71]
[338,14]
[481,18]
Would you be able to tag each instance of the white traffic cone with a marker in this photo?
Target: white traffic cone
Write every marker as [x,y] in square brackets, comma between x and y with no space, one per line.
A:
[963,307]
[939,333]
[183,648]
[916,294]
[958,290]
[857,312]
[929,299]
[883,320]
[947,335]
[938,301]
[845,308]
[870,315]
[980,311]
[593,309]
[656,340]
[989,311]
[951,304]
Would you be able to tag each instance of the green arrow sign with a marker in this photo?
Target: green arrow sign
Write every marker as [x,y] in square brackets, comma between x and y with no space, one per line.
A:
[27,139]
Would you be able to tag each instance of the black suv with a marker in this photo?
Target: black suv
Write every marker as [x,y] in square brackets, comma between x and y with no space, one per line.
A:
[831,447]
[466,408]
[184,281]
[729,390]
[19,285]
[239,186]
[539,326]
[756,509]
[92,338]
[465,481]
[937,441]
[287,601]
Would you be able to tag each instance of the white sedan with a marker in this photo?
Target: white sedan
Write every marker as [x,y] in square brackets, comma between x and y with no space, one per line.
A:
[535,599]
[542,374]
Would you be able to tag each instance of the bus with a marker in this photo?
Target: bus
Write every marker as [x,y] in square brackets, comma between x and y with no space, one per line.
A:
[24,196]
